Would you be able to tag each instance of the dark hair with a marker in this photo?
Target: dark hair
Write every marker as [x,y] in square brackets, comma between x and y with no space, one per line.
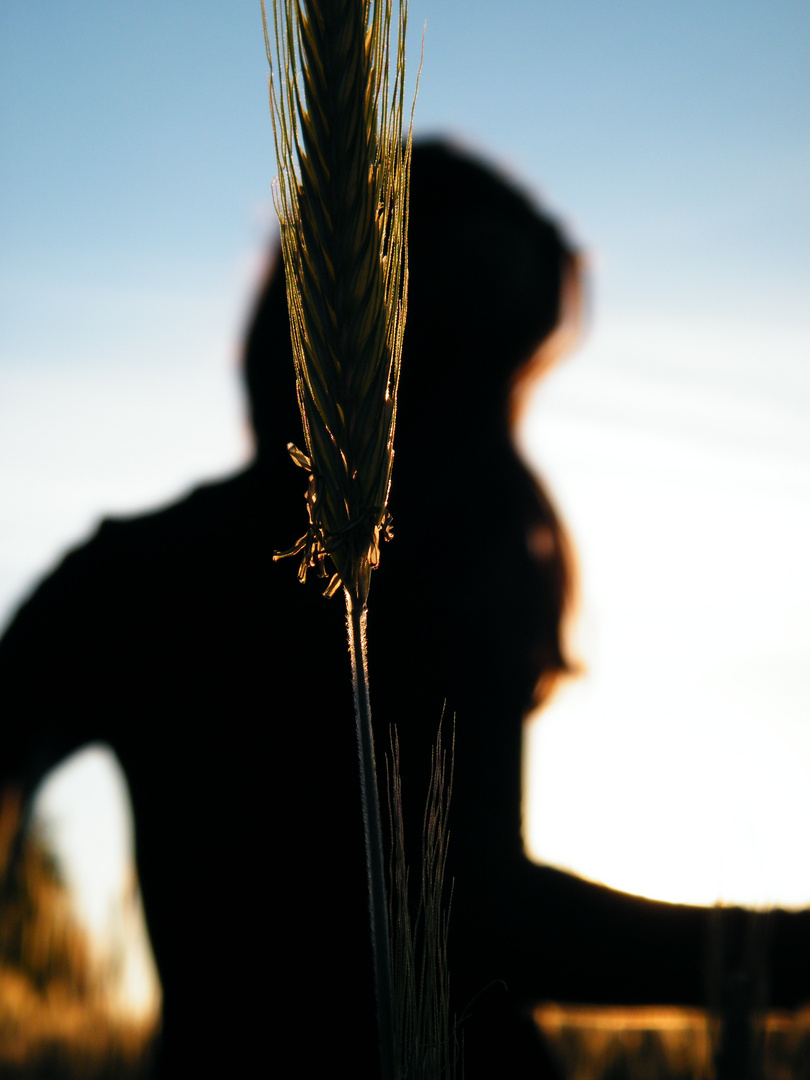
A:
[488,274]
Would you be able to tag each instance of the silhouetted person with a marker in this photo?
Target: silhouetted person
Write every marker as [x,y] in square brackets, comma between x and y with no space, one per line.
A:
[223,686]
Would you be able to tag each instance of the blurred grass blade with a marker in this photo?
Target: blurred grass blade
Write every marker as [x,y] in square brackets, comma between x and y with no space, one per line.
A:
[424,1030]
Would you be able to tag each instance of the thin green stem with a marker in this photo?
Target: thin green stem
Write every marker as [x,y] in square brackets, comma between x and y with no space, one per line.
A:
[356,622]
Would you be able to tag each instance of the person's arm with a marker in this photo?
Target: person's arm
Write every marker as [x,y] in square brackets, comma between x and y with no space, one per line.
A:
[52,658]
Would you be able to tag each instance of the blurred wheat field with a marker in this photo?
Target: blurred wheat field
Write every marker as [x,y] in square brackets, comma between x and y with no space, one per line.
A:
[74,1004]
[664,1043]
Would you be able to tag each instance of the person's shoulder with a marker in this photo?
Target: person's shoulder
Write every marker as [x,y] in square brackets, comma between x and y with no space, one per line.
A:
[209,512]
[137,553]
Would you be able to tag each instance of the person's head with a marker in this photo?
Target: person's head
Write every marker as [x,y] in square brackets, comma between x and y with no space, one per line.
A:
[488,278]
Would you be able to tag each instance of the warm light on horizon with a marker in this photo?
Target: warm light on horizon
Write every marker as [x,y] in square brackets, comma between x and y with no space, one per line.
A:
[83,813]
[678,766]
[693,804]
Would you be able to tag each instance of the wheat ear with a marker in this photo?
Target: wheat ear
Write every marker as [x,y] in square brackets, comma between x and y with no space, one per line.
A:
[342,200]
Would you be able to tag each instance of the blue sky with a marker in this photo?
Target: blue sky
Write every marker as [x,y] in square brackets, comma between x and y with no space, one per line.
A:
[672,137]
[674,142]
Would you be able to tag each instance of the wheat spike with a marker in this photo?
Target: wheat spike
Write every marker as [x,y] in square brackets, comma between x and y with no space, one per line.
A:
[342,200]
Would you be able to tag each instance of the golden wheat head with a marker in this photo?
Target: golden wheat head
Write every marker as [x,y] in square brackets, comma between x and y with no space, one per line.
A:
[342,201]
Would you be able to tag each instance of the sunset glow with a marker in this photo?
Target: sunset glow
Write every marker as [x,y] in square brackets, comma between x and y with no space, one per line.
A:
[678,765]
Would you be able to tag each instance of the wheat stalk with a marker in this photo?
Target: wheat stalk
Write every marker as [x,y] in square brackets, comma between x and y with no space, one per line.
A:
[342,201]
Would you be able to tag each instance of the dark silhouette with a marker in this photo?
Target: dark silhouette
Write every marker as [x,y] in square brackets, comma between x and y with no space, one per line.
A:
[224,688]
